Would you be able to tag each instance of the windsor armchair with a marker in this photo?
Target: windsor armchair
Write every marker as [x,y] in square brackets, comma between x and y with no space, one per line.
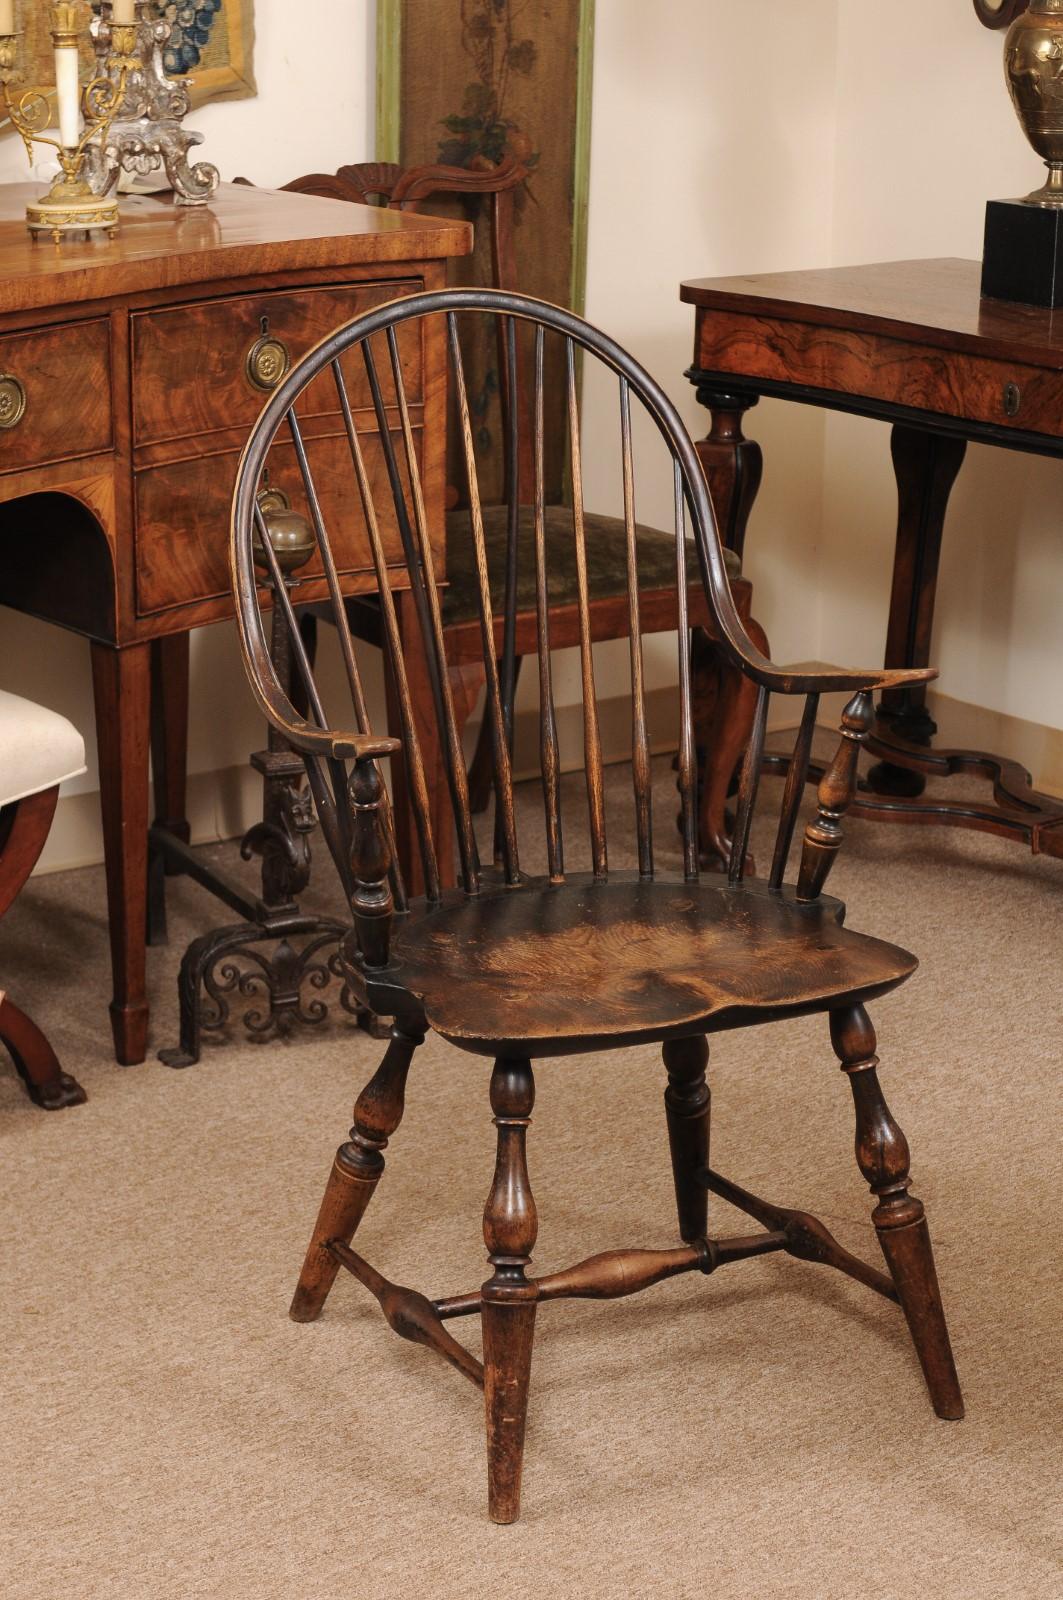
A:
[518,967]
[724,702]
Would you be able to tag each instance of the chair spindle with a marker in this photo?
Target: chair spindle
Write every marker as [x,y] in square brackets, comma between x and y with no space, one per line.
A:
[640,744]
[500,747]
[688,771]
[592,739]
[454,756]
[796,775]
[747,789]
[350,663]
[550,762]
[414,758]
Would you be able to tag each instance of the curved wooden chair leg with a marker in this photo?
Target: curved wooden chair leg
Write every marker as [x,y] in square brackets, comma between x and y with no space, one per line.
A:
[355,1174]
[900,1222]
[47,1085]
[508,1300]
[686,1107]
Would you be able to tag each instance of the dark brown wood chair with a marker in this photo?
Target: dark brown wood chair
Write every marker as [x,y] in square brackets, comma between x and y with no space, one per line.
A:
[38,750]
[724,702]
[515,967]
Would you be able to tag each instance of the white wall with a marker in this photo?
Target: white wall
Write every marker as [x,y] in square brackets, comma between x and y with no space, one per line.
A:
[712,152]
[314,110]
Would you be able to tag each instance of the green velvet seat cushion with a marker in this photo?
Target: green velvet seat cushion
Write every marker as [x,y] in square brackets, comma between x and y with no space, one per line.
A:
[606,560]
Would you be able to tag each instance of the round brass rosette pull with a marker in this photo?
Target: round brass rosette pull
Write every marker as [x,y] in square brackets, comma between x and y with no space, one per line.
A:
[267,361]
[12,401]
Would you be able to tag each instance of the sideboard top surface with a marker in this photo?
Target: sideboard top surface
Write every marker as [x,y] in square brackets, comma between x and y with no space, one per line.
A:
[244,230]
[937,301]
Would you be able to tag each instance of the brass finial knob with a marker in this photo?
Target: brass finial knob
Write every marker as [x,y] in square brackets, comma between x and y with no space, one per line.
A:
[288,532]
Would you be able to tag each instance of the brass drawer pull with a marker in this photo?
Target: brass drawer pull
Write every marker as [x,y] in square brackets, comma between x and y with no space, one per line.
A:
[12,401]
[268,359]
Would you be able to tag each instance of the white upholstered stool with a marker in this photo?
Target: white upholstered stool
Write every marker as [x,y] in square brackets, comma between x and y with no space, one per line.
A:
[38,750]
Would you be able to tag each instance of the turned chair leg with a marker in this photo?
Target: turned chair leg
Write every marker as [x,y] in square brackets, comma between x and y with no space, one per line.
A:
[47,1085]
[355,1174]
[686,1107]
[508,1299]
[882,1155]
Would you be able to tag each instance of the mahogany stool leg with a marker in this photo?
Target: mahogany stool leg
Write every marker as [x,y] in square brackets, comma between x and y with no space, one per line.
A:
[686,1107]
[355,1174]
[508,1299]
[47,1085]
[882,1155]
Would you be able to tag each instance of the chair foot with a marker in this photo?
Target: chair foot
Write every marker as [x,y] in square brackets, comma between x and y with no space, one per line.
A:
[47,1085]
[899,1218]
[508,1299]
[355,1174]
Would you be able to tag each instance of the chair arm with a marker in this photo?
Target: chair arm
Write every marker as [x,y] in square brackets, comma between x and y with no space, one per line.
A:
[823,836]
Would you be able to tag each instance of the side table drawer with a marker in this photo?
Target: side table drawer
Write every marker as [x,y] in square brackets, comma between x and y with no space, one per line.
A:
[182,516]
[55,394]
[201,368]
[894,371]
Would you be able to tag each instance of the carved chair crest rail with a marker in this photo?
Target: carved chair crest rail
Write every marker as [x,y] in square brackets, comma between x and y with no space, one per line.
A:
[521,966]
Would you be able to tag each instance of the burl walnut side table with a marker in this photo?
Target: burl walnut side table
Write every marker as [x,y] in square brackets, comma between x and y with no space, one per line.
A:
[131,370]
[913,344]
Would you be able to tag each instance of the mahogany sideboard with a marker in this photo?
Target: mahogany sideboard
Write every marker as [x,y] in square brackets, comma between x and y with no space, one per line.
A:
[131,369]
[911,343]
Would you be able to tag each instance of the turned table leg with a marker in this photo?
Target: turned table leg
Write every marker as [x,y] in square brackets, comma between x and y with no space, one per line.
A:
[122,682]
[925,465]
[733,464]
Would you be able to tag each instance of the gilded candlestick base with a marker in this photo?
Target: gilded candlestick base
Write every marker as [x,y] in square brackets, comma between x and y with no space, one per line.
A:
[145,136]
[70,207]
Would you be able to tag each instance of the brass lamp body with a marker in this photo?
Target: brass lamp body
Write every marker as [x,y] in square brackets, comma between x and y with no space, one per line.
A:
[1033,65]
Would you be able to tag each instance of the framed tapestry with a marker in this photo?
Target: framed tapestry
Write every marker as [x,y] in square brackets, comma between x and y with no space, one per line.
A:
[463,80]
[212,40]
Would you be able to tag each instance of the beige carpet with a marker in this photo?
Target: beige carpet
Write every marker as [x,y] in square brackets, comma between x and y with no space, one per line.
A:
[168,1433]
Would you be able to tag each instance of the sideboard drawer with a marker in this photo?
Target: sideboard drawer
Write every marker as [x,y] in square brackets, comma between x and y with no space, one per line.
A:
[201,368]
[182,511]
[55,394]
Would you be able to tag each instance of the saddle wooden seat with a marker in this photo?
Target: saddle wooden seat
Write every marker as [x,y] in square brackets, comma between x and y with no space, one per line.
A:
[522,969]
[632,960]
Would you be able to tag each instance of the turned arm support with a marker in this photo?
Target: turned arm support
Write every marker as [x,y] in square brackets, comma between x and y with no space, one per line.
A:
[823,836]
[371,899]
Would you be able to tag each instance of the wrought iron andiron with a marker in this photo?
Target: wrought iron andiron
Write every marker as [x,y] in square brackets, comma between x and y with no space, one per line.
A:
[224,965]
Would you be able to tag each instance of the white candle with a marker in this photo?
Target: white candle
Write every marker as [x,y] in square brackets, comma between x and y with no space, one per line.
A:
[122,12]
[67,93]
[7,17]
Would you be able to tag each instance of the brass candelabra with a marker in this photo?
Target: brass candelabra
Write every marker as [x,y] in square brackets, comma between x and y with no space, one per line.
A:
[70,206]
